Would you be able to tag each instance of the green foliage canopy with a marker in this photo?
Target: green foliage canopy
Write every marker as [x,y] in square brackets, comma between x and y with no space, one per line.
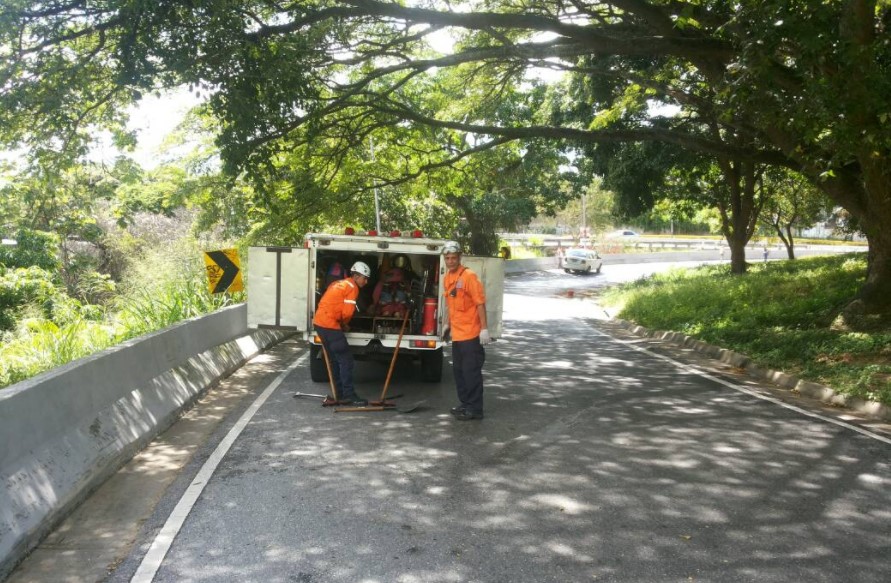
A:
[792,83]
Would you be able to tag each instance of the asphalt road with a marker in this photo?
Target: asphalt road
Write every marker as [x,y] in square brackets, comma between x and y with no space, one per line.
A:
[598,460]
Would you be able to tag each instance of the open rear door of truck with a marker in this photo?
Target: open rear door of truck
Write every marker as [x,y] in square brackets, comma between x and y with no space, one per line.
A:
[278,287]
[491,272]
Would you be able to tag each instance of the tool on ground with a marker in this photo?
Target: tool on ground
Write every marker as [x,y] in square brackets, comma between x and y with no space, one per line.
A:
[331,400]
[383,404]
[407,409]
[314,395]
[323,397]
[395,354]
[330,376]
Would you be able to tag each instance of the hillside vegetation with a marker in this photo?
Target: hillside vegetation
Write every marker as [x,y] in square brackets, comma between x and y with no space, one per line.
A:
[780,315]
[42,326]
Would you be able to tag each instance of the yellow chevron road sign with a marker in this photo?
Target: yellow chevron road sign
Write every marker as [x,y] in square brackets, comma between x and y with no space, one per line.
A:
[223,271]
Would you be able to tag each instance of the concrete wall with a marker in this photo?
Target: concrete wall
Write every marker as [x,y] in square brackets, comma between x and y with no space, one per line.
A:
[64,432]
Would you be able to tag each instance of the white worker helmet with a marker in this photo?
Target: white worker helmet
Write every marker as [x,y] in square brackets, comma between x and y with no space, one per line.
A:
[361,269]
[451,247]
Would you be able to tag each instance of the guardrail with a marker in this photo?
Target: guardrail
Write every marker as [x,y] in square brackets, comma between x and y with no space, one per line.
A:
[752,254]
[615,244]
[62,433]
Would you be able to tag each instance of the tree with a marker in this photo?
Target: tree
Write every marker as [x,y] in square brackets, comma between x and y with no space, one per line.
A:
[793,203]
[643,173]
[598,209]
[32,249]
[793,83]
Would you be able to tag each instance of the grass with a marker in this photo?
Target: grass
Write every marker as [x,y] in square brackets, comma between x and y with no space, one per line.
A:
[40,344]
[779,314]
[160,299]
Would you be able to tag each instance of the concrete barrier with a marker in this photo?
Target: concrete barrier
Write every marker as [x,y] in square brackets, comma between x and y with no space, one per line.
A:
[62,433]
[752,255]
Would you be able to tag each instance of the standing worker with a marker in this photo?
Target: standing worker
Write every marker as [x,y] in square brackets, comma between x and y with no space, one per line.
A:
[332,318]
[466,303]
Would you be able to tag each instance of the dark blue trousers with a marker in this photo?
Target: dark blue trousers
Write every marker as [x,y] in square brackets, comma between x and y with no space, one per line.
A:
[342,360]
[468,357]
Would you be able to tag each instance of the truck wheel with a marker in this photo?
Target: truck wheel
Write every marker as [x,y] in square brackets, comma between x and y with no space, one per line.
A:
[318,372]
[431,365]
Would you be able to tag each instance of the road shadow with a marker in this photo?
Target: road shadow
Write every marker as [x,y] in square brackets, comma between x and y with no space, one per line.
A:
[594,462]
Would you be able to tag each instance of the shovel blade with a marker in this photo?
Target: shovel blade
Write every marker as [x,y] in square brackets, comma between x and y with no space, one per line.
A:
[412,407]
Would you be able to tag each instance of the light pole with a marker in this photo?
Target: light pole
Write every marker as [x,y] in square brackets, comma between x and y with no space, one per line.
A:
[584,231]
[377,203]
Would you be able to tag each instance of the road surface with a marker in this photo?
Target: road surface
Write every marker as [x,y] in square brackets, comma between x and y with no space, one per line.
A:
[602,458]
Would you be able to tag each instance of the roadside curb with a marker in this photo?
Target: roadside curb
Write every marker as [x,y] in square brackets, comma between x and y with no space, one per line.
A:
[810,389]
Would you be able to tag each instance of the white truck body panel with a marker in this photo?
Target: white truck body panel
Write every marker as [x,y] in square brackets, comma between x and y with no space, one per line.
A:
[490,270]
[279,291]
[283,285]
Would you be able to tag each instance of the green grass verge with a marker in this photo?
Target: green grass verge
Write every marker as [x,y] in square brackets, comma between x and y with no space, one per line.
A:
[779,314]
[175,291]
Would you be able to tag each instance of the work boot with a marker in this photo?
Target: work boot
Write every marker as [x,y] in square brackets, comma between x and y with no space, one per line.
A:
[465,415]
[354,400]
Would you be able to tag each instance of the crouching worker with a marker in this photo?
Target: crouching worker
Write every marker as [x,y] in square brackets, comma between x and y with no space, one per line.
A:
[336,309]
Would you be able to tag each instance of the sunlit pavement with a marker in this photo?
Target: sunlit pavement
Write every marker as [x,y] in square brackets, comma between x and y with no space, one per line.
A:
[596,462]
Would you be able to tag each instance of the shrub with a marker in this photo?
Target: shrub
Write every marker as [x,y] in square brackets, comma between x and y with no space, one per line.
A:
[779,315]
[32,249]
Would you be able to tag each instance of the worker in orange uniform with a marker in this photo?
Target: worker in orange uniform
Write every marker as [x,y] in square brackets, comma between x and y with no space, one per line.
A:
[466,303]
[332,318]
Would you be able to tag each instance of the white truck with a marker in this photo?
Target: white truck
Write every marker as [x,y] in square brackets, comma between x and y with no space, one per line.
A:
[285,285]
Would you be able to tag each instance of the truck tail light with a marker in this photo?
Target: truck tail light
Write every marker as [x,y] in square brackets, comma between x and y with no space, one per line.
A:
[424,343]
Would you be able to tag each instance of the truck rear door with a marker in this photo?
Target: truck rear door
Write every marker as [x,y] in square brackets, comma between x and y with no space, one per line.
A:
[491,272]
[278,287]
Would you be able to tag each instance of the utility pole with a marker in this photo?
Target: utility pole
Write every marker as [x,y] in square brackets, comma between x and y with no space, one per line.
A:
[584,231]
[377,202]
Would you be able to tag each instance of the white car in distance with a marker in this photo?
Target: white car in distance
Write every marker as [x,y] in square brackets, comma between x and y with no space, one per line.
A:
[622,233]
[582,261]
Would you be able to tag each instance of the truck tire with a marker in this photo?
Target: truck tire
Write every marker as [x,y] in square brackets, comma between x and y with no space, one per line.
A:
[431,365]
[318,372]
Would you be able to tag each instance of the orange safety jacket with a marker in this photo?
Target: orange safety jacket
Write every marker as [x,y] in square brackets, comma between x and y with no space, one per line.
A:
[464,292]
[338,304]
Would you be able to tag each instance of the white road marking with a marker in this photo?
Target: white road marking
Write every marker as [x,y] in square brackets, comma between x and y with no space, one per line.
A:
[161,545]
[703,374]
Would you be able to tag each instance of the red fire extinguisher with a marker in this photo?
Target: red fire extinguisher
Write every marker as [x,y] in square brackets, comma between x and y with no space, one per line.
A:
[429,325]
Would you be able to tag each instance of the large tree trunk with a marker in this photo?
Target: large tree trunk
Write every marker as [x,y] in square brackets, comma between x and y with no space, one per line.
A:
[872,307]
[739,213]
[876,292]
[873,304]
[738,263]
